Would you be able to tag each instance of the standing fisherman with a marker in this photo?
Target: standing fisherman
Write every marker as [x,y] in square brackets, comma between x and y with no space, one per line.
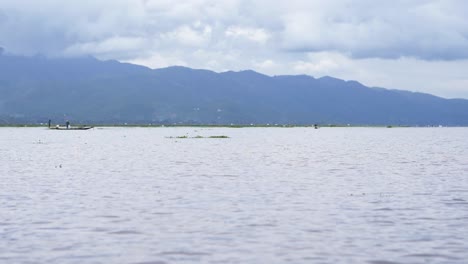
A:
[68,124]
[49,122]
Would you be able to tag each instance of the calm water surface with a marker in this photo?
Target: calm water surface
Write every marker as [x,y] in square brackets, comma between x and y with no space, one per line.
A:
[264,195]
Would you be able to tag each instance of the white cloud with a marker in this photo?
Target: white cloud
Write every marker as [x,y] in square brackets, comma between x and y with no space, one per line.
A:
[257,35]
[319,64]
[111,46]
[429,30]
[266,65]
[185,35]
[157,60]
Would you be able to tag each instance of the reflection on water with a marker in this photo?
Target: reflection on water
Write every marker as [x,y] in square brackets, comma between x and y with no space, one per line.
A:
[300,195]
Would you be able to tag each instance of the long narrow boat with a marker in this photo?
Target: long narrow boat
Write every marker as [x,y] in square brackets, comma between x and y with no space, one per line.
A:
[67,127]
[70,128]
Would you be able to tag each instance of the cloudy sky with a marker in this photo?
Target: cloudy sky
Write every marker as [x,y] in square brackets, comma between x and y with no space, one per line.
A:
[417,45]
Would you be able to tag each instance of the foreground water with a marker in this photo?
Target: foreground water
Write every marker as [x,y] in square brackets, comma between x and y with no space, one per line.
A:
[264,195]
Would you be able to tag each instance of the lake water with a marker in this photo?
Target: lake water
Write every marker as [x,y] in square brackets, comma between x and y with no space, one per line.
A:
[264,195]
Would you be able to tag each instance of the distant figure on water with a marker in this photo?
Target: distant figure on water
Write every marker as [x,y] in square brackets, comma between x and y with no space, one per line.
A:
[315,126]
[50,121]
[68,124]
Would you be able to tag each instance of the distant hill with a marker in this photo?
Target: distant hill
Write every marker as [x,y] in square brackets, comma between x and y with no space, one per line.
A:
[87,90]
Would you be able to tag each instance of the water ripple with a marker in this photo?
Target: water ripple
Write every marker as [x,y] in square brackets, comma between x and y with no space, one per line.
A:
[289,195]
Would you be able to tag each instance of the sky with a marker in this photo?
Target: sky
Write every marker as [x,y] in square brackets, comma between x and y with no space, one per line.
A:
[416,45]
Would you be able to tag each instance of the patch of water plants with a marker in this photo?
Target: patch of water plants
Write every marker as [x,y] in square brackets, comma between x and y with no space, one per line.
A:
[184,137]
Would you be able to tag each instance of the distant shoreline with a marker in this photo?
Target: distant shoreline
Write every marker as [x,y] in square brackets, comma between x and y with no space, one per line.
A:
[227,126]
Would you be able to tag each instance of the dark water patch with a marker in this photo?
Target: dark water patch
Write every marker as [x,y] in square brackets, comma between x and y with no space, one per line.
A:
[227,233]
[456,203]
[299,210]
[99,230]
[228,176]
[426,218]
[162,213]
[382,222]
[53,228]
[460,250]
[347,208]
[459,218]
[317,230]
[382,262]
[443,195]
[422,194]
[184,253]
[151,262]
[21,251]
[68,248]
[119,220]
[126,232]
[432,256]
[454,243]
[15,197]
[457,225]
[458,191]
[89,256]
[224,239]
[41,223]
[107,216]
[262,225]
[315,259]
[419,240]
[384,209]
[411,223]
[408,209]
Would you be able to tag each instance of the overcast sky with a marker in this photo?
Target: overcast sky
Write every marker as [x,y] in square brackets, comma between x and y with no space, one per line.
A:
[417,45]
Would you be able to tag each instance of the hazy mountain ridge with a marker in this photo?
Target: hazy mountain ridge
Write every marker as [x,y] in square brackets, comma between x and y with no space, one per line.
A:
[34,89]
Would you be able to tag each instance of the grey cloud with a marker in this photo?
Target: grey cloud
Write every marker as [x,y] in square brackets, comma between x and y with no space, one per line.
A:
[50,27]
[430,30]
[274,37]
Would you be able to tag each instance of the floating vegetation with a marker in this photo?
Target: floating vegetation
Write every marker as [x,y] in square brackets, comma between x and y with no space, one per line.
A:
[39,142]
[196,137]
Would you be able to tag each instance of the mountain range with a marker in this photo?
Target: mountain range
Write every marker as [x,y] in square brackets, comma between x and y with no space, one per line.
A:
[87,90]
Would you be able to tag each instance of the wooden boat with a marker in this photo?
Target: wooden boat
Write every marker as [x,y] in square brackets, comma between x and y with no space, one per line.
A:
[67,126]
[70,128]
